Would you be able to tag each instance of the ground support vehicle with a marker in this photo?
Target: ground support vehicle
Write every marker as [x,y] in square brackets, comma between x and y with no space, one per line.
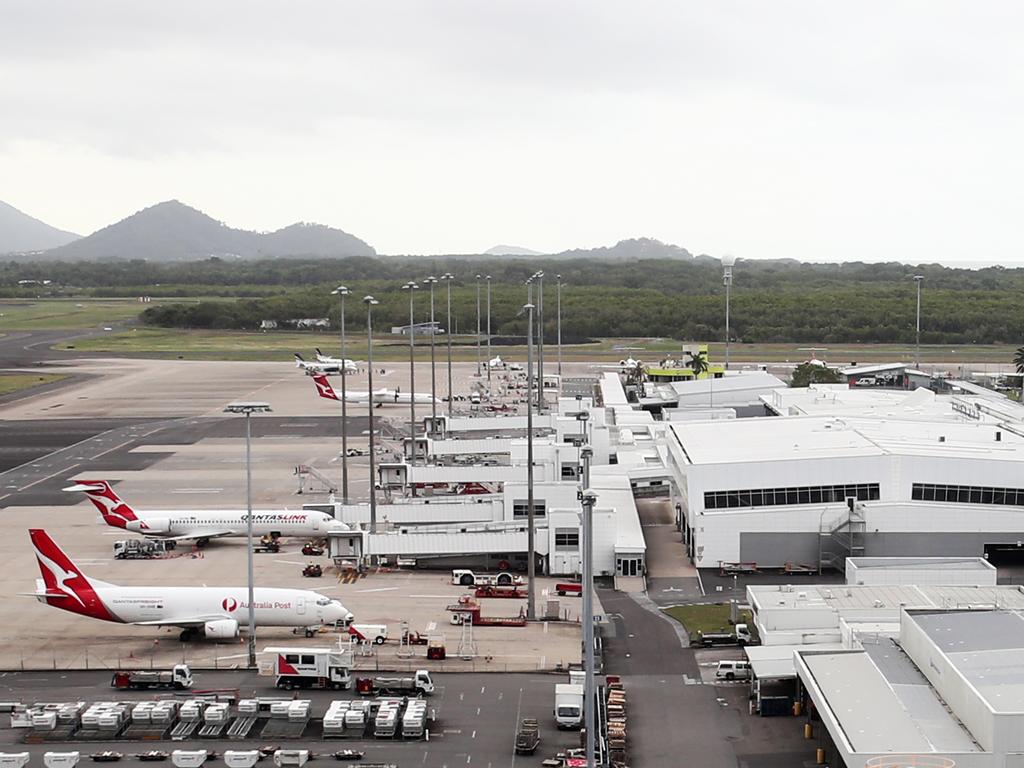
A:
[527,736]
[420,683]
[180,677]
[301,667]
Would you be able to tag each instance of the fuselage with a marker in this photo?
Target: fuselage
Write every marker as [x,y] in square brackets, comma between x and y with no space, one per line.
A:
[198,523]
[275,607]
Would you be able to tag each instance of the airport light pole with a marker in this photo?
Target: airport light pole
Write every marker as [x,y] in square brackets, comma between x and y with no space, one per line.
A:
[411,288]
[432,281]
[588,499]
[531,566]
[478,325]
[727,263]
[447,278]
[917,344]
[489,358]
[540,342]
[249,408]
[558,312]
[370,302]
[341,291]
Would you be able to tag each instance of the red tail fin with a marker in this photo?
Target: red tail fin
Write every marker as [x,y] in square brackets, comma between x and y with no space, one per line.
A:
[66,586]
[114,511]
[324,388]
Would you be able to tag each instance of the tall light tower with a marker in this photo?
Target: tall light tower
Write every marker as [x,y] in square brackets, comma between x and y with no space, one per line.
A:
[341,292]
[531,565]
[447,278]
[478,325]
[370,302]
[917,344]
[432,281]
[540,342]
[558,308]
[411,288]
[727,263]
[489,358]
[249,408]
[588,499]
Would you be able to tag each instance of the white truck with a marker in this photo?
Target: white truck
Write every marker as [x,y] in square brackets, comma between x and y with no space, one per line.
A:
[369,633]
[420,683]
[466,578]
[179,677]
[568,706]
[300,667]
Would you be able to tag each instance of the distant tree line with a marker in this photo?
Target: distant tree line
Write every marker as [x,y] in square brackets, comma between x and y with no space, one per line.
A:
[772,301]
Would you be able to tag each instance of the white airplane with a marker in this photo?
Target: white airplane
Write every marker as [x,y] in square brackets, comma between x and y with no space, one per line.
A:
[217,613]
[202,525]
[380,396]
[331,365]
[495,362]
[347,364]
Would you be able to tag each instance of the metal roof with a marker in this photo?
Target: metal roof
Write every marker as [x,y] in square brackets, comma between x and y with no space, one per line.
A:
[775,662]
[863,370]
[614,491]
[921,563]
[444,543]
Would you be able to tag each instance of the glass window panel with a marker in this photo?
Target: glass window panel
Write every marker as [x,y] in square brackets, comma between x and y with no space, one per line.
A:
[975,495]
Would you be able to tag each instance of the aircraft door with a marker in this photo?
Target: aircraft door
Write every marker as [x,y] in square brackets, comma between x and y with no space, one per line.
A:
[300,606]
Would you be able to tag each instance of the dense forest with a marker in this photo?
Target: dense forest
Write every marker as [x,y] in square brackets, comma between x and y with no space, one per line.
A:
[772,301]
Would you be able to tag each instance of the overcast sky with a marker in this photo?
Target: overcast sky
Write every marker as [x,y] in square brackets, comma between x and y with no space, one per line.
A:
[813,130]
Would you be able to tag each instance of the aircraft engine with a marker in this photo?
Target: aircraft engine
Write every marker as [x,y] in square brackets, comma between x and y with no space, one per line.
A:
[221,629]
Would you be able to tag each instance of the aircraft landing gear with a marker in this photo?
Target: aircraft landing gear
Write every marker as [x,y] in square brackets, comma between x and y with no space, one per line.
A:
[200,543]
[187,634]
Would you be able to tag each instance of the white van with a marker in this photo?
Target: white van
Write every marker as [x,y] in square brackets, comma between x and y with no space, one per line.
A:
[733,670]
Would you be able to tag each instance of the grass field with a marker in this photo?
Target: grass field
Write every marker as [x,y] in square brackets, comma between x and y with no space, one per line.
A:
[16,382]
[242,345]
[66,314]
[706,618]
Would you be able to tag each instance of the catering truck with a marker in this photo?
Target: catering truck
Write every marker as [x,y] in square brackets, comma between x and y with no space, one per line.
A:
[301,667]
[568,705]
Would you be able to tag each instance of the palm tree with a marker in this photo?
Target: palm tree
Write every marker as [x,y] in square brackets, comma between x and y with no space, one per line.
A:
[698,364]
[1018,361]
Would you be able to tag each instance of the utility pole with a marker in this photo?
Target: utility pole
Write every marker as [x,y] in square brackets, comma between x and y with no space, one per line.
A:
[411,287]
[369,301]
[558,305]
[540,343]
[342,292]
[588,499]
[478,326]
[489,358]
[917,345]
[447,278]
[249,408]
[531,565]
[727,264]
[431,281]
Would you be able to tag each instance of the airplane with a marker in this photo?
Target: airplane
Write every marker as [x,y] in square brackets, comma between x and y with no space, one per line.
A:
[380,396]
[330,366]
[348,364]
[495,362]
[216,613]
[202,525]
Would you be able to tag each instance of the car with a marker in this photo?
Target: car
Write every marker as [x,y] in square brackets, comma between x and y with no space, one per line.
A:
[355,452]
[733,670]
[865,381]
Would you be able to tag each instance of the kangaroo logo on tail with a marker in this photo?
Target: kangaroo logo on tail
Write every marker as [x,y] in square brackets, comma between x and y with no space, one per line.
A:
[324,388]
[66,586]
[114,511]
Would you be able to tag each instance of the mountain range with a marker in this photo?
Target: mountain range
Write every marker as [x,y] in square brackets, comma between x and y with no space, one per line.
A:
[20,232]
[173,231]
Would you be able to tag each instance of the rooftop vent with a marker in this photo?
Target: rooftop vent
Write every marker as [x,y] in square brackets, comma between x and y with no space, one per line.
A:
[942,438]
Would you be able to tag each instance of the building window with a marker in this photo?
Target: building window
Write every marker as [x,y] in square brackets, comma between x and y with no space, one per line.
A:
[967,494]
[570,471]
[777,497]
[567,539]
[519,508]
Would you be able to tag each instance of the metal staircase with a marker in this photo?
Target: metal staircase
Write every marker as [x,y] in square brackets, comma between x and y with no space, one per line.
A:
[842,538]
[313,480]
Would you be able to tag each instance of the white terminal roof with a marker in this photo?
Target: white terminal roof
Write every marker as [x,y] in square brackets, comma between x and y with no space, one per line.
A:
[612,393]
[883,703]
[922,563]
[817,437]
[842,597]
[865,370]
[985,647]
[613,491]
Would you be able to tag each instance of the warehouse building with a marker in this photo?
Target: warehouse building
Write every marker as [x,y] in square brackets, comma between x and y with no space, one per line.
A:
[816,490]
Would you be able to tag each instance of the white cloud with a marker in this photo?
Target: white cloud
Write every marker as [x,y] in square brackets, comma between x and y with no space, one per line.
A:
[802,129]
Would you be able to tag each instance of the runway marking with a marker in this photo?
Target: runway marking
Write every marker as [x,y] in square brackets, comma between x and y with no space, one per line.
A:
[197,490]
[119,445]
[444,596]
[519,709]
[289,562]
[54,474]
[378,589]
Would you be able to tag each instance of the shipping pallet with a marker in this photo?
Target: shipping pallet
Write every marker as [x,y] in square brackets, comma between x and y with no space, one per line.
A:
[63,732]
[99,734]
[241,727]
[284,729]
[184,730]
[146,731]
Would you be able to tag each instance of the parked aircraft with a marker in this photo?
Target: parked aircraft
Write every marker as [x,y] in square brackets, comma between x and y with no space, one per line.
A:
[203,524]
[328,366]
[380,396]
[216,613]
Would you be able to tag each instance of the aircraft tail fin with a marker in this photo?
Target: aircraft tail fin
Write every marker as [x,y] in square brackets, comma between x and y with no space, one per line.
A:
[324,388]
[63,581]
[114,510]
